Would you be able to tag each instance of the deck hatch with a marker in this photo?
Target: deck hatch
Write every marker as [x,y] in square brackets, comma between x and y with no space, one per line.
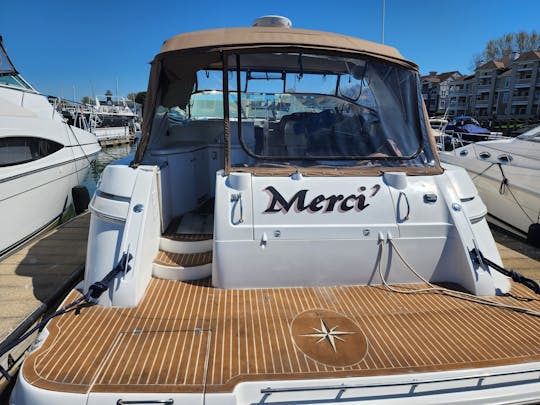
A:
[150,358]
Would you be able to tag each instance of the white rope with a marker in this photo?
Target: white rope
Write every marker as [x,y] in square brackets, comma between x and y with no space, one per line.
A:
[441,290]
[506,185]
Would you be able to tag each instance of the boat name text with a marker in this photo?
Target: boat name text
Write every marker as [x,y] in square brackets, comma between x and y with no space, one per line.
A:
[298,202]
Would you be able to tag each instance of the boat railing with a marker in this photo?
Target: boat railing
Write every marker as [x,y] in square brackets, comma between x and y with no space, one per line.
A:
[78,114]
[451,140]
[477,379]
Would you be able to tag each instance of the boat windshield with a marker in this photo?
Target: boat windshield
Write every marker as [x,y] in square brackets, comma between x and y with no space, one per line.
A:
[8,73]
[532,135]
[304,110]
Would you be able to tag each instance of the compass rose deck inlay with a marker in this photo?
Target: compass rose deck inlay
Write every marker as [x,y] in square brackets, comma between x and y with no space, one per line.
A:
[329,337]
[328,334]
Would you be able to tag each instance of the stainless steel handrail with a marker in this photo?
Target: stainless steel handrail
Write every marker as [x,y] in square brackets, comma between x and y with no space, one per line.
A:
[150,401]
[399,384]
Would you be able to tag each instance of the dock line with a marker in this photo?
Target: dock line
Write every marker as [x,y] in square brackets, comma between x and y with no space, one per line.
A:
[91,296]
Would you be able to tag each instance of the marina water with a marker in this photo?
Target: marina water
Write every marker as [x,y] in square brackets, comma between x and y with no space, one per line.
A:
[106,156]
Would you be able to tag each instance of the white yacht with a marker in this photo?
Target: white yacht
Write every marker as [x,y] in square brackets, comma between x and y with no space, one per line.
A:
[113,111]
[41,159]
[286,234]
[506,173]
[112,120]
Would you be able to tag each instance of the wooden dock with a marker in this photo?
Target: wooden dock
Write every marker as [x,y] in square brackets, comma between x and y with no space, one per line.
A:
[517,255]
[34,279]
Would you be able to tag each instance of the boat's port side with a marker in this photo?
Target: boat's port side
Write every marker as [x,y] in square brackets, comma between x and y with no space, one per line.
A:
[125,220]
[27,393]
[41,161]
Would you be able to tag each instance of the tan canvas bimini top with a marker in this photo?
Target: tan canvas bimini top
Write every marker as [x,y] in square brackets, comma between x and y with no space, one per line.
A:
[274,36]
[182,55]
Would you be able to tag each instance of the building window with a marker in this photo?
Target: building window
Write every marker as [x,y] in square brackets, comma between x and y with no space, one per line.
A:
[521,93]
[520,110]
[22,149]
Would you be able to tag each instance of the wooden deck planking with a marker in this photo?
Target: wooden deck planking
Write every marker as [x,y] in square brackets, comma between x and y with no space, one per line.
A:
[245,335]
[183,259]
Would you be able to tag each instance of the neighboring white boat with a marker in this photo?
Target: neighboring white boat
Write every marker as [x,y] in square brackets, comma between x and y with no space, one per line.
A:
[113,111]
[276,239]
[113,119]
[506,173]
[41,159]
[112,122]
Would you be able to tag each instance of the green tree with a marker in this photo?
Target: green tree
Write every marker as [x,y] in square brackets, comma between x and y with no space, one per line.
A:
[507,44]
[85,100]
[140,97]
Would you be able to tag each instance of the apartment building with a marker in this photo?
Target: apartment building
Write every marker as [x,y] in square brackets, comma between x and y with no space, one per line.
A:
[461,96]
[435,90]
[502,89]
[525,96]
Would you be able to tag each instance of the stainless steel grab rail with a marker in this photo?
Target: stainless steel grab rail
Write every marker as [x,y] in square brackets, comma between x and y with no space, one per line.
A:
[150,401]
[402,194]
[415,382]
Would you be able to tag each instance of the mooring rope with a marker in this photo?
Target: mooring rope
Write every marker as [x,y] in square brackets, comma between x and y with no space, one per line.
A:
[506,186]
[441,290]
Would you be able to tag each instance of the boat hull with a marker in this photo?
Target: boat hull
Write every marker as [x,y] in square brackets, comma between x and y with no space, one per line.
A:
[35,184]
[479,386]
[36,197]
[509,189]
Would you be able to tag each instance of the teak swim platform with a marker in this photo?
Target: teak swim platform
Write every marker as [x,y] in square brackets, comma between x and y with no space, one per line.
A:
[190,337]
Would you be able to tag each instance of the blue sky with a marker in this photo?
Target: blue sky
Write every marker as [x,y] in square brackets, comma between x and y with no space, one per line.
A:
[59,45]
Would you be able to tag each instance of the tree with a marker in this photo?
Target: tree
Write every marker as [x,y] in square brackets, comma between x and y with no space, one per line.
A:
[85,100]
[140,97]
[507,44]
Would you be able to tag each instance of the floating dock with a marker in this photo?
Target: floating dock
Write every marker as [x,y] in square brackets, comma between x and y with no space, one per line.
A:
[517,255]
[111,136]
[36,277]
